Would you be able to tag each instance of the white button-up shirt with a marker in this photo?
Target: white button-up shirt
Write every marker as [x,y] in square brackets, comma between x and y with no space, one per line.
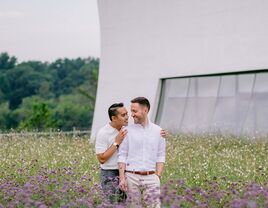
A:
[142,148]
[105,138]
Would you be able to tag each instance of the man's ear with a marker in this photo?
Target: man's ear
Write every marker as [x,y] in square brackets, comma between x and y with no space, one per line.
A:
[114,118]
[146,110]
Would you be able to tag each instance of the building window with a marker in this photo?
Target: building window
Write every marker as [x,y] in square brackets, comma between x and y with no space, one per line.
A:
[227,104]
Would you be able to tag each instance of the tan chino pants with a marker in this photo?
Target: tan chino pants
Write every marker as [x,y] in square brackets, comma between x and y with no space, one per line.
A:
[143,190]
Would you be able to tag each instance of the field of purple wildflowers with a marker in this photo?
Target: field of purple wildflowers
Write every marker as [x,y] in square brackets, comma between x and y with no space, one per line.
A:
[200,171]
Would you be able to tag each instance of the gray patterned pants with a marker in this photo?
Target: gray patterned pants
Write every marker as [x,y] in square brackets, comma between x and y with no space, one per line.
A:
[109,183]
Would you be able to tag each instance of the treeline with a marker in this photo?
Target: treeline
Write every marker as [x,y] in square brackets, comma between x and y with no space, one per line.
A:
[39,96]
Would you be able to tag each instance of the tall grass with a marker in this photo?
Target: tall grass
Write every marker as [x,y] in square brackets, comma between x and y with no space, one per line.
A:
[229,159]
[200,171]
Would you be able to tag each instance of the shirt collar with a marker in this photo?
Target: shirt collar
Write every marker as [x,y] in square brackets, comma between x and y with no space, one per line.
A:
[111,128]
[146,127]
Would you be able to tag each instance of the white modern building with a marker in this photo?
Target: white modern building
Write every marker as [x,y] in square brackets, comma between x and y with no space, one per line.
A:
[201,63]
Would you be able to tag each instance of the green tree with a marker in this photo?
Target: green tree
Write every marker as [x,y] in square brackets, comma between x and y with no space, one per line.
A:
[40,118]
[23,81]
[4,112]
[73,111]
[89,88]
[66,75]
[6,61]
[44,90]
[65,89]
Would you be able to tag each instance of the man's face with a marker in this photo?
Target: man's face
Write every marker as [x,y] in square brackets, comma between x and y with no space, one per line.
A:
[121,118]
[138,112]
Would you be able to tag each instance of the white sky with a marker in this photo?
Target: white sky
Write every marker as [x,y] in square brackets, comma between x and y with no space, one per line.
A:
[45,30]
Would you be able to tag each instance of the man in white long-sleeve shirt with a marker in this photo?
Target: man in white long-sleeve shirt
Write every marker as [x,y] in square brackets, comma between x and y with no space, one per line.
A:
[141,156]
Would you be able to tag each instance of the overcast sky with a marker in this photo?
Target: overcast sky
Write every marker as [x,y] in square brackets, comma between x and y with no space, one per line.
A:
[49,29]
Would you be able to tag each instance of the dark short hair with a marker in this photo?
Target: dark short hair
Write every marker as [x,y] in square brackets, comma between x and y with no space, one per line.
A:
[112,111]
[142,101]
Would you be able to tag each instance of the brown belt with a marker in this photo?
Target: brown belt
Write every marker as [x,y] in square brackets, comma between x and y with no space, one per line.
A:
[141,172]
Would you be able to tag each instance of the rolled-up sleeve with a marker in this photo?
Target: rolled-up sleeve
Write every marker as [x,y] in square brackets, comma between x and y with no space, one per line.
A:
[161,154]
[123,151]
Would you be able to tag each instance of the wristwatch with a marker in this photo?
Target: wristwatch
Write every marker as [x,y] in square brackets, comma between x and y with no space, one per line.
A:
[116,145]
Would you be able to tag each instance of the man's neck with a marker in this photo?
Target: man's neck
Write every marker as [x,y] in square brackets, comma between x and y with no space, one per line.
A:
[145,123]
[118,127]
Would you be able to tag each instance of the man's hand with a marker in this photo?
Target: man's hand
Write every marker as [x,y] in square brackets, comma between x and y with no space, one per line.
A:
[121,135]
[163,133]
[123,184]
[103,157]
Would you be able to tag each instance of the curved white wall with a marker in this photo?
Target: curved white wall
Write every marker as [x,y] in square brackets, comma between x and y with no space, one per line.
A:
[145,40]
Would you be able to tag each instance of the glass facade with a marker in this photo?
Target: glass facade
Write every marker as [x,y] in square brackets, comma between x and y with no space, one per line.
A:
[234,104]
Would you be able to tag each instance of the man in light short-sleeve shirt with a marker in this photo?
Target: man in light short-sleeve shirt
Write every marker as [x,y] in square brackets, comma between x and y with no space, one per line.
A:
[108,140]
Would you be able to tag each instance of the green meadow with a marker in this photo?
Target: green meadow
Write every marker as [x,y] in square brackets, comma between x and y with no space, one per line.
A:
[62,171]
